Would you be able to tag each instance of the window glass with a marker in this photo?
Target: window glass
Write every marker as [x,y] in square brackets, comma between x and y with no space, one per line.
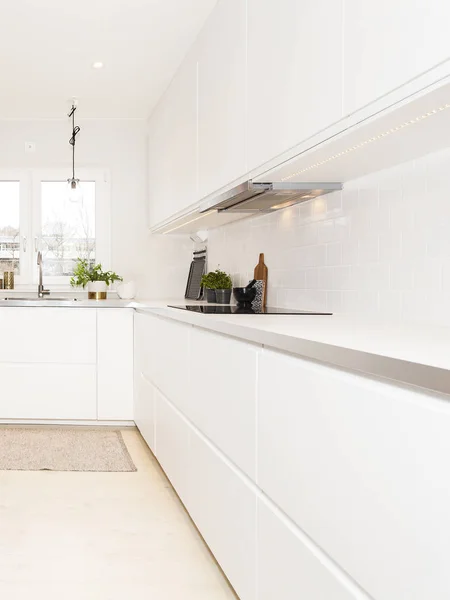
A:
[9,226]
[68,228]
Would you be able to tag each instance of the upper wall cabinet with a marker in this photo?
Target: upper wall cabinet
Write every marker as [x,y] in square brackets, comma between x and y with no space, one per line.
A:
[294,73]
[386,44]
[173,146]
[222,97]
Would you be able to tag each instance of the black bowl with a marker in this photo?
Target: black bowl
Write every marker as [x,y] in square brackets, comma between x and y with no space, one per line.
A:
[244,295]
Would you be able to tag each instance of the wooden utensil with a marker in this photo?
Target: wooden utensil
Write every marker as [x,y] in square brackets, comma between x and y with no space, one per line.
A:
[260,274]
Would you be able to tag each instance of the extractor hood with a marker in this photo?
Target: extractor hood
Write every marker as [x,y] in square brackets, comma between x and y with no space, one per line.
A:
[254,197]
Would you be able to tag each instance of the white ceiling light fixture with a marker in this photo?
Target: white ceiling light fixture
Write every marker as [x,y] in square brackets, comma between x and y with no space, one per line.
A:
[74,191]
[97,65]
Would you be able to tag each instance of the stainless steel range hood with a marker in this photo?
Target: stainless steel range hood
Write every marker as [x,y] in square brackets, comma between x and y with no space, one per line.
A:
[253,197]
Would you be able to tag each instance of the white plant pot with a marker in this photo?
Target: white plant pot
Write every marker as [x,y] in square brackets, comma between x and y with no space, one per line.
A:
[97,290]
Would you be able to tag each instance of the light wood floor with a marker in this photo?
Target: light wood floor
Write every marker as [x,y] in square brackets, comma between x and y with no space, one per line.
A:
[102,536]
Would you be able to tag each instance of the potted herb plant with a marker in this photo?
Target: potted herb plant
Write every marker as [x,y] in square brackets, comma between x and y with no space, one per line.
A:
[218,286]
[93,276]
[223,289]
[208,283]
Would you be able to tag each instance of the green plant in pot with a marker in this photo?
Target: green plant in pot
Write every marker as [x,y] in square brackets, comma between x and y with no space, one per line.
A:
[218,286]
[93,276]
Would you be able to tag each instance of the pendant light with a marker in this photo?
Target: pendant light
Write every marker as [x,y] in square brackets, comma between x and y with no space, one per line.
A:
[75,193]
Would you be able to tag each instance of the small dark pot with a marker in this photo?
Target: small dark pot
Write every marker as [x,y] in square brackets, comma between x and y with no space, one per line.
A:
[210,295]
[244,295]
[223,296]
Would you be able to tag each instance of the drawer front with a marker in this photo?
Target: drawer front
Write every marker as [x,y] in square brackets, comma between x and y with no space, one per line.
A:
[224,509]
[288,568]
[48,335]
[223,403]
[172,445]
[144,409]
[164,354]
[48,391]
[115,364]
[359,464]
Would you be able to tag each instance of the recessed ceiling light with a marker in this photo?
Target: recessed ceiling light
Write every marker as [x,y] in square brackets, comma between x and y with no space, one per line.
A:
[97,65]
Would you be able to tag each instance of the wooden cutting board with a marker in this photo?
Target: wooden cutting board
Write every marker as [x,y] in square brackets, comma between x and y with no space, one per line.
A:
[260,274]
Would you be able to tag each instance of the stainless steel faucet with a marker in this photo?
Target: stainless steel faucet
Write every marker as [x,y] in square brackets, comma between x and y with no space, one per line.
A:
[41,290]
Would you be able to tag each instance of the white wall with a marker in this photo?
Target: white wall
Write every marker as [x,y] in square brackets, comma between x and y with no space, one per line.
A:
[381,247]
[159,264]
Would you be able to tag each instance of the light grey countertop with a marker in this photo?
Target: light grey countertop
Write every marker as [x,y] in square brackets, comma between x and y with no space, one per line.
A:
[409,353]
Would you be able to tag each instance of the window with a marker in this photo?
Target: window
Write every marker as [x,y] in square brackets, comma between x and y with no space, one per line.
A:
[67,228]
[34,207]
[10,226]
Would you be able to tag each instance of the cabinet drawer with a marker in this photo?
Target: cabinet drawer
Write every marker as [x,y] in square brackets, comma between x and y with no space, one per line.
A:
[287,567]
[223,403]
[48,335]
[48,391]
[115,364]
[164,348]
[172,445]
[144,409]
[224,509]
[359,464]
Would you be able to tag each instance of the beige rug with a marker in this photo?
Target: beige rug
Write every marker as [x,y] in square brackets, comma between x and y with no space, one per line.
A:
[63,449]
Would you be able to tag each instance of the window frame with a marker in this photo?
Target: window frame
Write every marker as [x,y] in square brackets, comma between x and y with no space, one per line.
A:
[30,220]
[23,178]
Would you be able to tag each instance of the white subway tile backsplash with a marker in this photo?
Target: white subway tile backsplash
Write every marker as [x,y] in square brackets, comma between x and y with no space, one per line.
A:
[446,275]
[334,254]
[390,245]
[369,248]
[379,247]
[428,275]
[401,276]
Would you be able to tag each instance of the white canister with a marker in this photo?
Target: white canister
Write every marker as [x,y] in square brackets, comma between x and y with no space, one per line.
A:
[127,290]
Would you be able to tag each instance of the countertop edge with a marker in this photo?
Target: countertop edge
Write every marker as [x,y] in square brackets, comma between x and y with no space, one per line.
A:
[416,374]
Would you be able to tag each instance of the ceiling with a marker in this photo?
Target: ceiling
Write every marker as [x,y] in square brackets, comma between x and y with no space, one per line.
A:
[47,49]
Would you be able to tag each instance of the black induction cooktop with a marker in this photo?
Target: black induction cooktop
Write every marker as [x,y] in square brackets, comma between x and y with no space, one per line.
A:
[229,309]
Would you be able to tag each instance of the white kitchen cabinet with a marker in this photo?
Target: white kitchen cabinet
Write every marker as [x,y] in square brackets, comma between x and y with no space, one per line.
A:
[48,335]
[48,391]
[289,566]
[172,445]
[166,348]
[115,364]
[159,201]
[222,97]
[172,146]
[144,409]
[223,399]
[386,44]
[224,509]
[48,363]
[294,73]
[359,464]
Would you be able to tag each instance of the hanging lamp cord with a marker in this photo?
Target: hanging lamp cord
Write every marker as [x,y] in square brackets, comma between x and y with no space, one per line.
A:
[72,141]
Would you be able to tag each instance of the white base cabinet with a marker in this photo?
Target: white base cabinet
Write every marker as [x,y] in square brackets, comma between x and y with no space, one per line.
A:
[223,507]
[288,568]
[349,496]
[48,391]
[359,463]
[115,364]
[172,445]
[144,409]
[71,364]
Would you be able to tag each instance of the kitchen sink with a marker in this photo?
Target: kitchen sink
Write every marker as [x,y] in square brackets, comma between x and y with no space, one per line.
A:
[34,301]
[46,299]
